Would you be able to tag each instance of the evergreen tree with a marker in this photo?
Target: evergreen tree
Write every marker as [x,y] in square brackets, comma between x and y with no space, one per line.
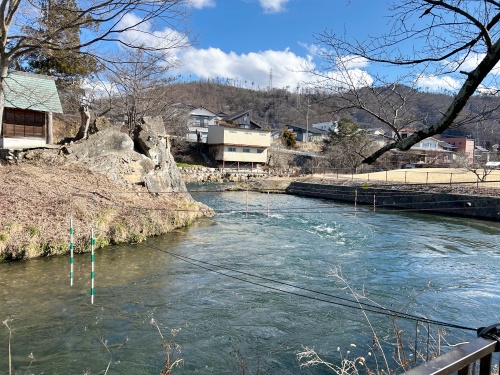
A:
[68,65]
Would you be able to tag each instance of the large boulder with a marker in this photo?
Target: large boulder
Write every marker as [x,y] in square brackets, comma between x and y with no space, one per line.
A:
[112,153]
[149,139]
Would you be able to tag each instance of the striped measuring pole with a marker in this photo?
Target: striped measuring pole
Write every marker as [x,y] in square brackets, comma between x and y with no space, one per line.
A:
[92,258]
[71,248]
[268,209]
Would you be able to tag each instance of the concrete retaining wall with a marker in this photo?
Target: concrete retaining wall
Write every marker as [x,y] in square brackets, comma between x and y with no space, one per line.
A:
[479,207]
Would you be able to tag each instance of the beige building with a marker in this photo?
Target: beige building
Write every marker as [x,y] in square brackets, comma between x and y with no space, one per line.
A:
[237,145]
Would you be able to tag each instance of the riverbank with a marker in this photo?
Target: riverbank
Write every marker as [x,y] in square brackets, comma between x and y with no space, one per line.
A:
[38,198]
[457,200]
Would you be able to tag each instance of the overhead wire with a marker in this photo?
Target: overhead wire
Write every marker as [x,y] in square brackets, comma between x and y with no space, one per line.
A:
[346,302]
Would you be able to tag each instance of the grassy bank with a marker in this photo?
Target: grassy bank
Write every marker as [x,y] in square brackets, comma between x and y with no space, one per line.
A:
[38,199]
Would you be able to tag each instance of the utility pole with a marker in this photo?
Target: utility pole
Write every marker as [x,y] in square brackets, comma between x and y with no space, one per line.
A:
[271,80]
[307,116]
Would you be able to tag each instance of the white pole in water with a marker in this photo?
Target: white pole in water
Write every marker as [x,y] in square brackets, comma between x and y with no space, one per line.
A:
[374,202]
[92,273]
[268,210]
[71,247]
[246,210]
[355,198]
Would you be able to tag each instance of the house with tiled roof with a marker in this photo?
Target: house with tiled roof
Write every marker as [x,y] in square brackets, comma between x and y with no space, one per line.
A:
[29,102]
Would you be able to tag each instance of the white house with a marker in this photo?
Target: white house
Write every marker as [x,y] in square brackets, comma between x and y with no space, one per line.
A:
[433,149]
[199,120]
[326,126]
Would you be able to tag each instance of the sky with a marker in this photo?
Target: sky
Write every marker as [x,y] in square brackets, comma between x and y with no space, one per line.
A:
[243,40]
[259,44]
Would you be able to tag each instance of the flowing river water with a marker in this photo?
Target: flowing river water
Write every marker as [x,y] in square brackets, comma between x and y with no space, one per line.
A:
[436,267]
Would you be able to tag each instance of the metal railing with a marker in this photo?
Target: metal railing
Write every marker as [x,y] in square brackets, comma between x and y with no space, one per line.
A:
[462,360]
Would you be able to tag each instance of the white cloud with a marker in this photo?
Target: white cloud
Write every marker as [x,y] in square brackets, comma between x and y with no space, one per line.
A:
[273,6]
[287,67]
[314,50]
[252,70]
[436,83]
[334,81]
[352,62]
[142,34]
[470,62]
[200,4]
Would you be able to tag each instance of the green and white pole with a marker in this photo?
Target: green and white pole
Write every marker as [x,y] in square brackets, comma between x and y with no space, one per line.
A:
[92,273]
[71,248]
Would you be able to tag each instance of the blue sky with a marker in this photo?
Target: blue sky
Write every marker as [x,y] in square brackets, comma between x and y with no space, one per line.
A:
[241,41]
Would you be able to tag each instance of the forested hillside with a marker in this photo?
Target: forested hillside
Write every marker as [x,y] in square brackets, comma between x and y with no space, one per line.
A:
[276,108]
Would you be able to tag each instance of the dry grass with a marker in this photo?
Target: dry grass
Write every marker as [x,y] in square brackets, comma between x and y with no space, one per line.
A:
[37,200]
[423,176]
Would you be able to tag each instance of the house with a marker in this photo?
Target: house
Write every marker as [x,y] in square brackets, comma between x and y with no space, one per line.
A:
[304,133]
[29,102]
[236,145]
[326,126]
[481,154]
[378,136]
[462,144]
[433,151]
[198,121]
[242,119]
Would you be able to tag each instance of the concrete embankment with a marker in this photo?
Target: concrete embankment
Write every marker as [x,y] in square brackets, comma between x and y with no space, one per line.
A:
[205,174]
[479,207]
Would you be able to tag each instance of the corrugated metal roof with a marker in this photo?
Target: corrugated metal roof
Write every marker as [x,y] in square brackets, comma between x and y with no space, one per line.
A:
[32,91]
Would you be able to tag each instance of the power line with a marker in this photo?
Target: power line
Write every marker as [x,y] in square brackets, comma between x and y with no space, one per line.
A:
[346,302]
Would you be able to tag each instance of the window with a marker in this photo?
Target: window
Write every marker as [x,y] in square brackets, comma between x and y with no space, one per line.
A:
[231,149]
[246,150]
[260,150]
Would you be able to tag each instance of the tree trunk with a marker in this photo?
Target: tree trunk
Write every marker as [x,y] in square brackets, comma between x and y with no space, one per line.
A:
[3,75]
[83,133]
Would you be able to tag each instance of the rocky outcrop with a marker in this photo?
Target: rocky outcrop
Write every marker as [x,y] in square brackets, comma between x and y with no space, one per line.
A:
[116,155]
[111,153]
[151,140]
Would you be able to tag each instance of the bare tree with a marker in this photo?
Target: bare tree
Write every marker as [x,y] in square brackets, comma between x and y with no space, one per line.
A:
[136,84]
[24,28]
[432,38]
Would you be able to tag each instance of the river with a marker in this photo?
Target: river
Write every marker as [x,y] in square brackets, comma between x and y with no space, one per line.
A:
[230,321]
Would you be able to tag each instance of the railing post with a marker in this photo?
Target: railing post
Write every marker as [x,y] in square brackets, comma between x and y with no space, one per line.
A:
[485,365]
